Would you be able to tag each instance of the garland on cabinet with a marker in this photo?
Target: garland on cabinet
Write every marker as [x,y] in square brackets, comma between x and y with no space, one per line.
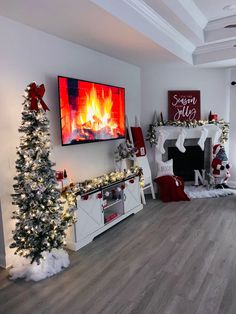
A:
[74,190]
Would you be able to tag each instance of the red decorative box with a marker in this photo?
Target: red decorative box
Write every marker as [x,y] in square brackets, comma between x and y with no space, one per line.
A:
[110,217]
[59,175]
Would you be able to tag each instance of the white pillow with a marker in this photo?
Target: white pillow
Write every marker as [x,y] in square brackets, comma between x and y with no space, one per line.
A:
[165,168]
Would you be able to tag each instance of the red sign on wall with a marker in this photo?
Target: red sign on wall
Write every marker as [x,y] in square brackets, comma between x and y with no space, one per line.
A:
[184,105]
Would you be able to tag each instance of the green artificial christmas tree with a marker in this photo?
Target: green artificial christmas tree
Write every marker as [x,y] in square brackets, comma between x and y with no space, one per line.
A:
[40,218]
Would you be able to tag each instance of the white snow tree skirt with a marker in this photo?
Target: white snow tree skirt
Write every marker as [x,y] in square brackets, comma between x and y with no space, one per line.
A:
[52,263]
[203,192]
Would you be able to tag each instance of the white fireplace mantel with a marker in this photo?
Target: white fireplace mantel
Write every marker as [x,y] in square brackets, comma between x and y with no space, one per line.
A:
[214,133]
[192,132]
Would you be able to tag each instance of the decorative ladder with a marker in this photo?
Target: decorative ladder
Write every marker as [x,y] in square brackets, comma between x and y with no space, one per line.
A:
[142,162]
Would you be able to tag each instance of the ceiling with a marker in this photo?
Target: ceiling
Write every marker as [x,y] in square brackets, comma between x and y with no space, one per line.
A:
[214,9]
[138,31]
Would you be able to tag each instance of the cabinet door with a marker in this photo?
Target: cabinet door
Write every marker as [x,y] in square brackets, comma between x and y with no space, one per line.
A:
[132,194]
[90,216]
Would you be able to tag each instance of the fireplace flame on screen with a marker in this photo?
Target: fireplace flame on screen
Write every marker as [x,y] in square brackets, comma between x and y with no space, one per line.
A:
[96,118]
[90,111]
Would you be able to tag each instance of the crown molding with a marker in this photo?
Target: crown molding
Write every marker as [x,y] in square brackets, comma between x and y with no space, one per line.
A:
[215,63]
[147,21]
[220,23]
[193,11]
[160,23]
[215,47]
[186,18]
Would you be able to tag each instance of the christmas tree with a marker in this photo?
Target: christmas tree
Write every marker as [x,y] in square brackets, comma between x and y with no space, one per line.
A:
[41,220]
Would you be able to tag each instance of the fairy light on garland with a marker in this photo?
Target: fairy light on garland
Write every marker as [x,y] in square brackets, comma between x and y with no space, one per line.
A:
[71,192]
[151,133]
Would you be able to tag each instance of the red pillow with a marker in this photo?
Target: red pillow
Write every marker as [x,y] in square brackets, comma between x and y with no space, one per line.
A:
[171,189]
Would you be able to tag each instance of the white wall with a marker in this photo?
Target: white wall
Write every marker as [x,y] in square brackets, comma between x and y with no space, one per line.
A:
[2,246]
[157,80]
[28,55]
[232,147]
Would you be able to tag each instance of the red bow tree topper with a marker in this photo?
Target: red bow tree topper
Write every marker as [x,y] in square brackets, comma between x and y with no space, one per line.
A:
[36,95]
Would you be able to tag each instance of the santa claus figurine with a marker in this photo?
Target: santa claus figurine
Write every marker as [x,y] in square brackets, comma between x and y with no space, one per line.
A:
[220,167]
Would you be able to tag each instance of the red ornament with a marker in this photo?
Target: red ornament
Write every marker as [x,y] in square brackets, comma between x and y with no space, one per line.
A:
[99,195]
[131,181]
[36,94]
[213,116]
[85,197]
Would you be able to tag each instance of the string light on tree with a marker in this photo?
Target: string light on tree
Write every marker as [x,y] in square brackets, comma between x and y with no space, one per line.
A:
[41,221]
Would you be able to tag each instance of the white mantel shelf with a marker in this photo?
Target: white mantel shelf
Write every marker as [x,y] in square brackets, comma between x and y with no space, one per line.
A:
[191,132]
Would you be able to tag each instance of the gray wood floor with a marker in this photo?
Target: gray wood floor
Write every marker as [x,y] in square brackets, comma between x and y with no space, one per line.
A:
[173,258]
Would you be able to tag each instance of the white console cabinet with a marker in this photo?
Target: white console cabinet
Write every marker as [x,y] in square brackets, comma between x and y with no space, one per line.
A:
[103,209]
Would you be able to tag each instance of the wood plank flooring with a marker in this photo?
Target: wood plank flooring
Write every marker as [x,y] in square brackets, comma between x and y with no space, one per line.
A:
[174,258]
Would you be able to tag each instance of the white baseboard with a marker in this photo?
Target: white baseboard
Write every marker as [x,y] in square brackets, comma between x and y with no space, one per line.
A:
[2,261]
[6,260]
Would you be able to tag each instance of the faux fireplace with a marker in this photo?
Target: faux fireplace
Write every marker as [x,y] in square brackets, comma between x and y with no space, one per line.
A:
[194,158]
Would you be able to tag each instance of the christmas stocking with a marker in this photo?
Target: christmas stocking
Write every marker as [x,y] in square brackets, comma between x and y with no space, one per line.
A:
[161,138]
[215,138]
[180,141]
[202,139]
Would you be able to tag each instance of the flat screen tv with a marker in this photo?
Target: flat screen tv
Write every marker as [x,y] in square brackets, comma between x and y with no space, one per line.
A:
[90,112]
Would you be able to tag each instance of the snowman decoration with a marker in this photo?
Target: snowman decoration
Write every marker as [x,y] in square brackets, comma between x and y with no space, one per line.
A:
[220,167]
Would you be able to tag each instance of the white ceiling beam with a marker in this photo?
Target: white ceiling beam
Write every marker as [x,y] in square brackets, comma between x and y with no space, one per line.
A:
[138,15]
[193,19]
[216,31]
[202,56]
[194,11]
[220,35]
[220,23]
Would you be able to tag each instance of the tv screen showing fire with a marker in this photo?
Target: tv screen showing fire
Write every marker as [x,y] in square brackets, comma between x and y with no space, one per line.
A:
[90,112]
